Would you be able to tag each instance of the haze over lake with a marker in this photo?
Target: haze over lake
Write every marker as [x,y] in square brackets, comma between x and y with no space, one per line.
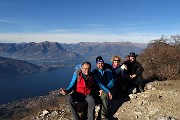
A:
[36,84]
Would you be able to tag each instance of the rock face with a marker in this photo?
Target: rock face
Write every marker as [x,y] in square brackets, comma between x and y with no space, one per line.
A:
[160,101]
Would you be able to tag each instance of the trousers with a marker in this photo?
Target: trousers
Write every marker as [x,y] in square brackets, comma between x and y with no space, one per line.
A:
[77,97]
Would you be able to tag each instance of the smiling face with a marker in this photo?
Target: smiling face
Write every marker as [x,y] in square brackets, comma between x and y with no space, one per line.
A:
[116,62]
[100,65]
[86,69]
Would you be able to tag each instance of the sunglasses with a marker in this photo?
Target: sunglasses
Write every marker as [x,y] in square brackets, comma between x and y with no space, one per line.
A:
[117,60]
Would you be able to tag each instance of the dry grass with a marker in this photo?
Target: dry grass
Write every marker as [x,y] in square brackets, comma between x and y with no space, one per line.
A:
[28,108]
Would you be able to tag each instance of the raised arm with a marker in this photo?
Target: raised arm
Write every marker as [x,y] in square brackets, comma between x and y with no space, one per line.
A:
[72,83]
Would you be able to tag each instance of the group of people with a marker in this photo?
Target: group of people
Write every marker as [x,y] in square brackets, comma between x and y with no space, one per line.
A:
[105,82]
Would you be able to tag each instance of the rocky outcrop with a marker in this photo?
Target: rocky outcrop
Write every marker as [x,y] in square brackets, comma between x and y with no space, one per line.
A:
[160,101]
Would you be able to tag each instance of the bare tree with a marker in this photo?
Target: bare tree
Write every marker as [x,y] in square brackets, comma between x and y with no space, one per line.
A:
[161,59]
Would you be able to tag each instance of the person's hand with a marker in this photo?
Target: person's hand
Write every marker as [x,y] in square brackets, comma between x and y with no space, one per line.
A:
[124,67]
[63,91]
[109,95]
[132,76]
[100,92]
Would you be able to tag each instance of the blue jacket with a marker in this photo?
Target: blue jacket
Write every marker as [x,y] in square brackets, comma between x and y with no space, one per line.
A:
[105,77]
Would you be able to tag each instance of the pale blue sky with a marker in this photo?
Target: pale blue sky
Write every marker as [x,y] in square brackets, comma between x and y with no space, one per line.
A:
[88,20]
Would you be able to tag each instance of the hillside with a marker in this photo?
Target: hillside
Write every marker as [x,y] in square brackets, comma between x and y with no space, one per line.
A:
[160,101]
[13,66]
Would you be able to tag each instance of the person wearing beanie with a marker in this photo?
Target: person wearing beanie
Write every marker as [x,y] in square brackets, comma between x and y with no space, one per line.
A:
[105,76]
[99,59]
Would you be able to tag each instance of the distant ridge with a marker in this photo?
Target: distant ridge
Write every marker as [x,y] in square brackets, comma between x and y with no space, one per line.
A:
[12,66]
[41,52]
[106,49]
[61,53]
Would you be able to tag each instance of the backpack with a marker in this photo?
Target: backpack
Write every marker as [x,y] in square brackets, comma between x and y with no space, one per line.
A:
[77,68]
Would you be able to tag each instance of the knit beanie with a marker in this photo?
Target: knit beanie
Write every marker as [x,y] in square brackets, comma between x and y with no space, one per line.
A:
[99,59]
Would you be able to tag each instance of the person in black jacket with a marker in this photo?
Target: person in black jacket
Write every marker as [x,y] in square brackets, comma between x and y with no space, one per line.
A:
[133,74]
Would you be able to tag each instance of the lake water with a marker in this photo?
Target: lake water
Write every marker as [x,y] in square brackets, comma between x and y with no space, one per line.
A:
[25,86]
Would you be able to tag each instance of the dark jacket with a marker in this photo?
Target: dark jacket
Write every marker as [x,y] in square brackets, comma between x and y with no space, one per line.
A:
[105,76]
[133,68]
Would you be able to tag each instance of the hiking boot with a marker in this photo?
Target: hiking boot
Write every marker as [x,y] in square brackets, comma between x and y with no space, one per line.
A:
[141,89]
[134,91]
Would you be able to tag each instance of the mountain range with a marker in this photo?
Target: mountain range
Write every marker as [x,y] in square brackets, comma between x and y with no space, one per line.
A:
[45,53]
[106,49]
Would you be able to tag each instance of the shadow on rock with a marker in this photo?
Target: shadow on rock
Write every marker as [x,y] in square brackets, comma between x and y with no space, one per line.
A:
[115,104]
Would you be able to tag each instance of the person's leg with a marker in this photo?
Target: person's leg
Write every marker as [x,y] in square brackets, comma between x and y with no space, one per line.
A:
[104,108]
[72,106]
[91,106]
[140,83]
[114,89]
[72,98]
[130,87]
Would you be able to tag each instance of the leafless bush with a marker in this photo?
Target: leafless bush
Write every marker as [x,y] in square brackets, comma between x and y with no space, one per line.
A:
[161,59]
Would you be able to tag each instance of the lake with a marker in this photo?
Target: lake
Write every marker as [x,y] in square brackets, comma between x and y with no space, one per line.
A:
[36,84]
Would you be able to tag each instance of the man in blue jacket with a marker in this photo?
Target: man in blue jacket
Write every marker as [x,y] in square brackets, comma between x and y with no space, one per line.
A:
[105,76]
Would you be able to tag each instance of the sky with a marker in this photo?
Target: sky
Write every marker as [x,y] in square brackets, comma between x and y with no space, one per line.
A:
[72,21]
